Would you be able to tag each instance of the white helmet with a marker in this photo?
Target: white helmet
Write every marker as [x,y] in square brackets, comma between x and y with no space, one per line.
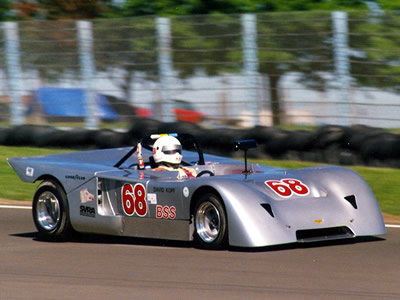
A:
[167,149]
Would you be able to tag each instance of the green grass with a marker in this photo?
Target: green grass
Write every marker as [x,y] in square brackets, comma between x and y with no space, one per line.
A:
[11,187]
[383,181]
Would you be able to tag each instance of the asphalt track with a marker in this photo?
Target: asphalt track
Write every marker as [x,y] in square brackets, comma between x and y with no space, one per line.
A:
[95,267]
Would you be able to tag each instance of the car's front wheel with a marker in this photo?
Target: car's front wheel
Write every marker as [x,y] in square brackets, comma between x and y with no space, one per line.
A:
[50,211]
[210,223]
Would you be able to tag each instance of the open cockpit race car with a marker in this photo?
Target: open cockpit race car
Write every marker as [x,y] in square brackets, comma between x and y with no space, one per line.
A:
[229,203]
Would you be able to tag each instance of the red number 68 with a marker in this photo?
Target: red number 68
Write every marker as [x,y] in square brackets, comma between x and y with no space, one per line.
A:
[134,199]
[287,187]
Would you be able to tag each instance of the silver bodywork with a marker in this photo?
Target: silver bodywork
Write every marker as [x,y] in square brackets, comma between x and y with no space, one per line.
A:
[338,203]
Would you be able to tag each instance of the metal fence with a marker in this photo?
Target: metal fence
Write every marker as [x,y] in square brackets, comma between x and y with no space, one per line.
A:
[307,68]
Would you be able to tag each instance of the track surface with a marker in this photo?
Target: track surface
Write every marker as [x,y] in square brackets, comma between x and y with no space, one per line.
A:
[93,267]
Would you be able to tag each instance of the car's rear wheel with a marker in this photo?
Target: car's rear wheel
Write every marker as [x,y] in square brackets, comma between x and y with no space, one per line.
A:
[210,223]
[50,211]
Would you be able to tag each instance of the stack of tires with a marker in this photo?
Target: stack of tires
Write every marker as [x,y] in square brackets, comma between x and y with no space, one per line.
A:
[359,145]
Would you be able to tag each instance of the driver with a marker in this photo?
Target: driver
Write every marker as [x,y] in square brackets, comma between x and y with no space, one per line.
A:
[167,154]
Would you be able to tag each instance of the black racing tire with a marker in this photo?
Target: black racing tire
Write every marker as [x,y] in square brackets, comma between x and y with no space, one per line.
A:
[50,212]
[210,223]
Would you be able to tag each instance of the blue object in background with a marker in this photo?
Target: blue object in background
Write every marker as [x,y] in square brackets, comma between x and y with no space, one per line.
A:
[70,102]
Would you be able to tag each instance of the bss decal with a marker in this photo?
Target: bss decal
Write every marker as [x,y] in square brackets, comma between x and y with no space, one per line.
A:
[165,212]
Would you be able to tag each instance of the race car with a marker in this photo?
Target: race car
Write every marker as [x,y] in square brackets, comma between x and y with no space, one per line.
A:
[227,203]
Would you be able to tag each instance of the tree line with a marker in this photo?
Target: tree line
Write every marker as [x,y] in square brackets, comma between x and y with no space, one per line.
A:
[288,42]
[89,9]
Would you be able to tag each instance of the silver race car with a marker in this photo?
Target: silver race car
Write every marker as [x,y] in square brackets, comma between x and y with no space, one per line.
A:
[229,202]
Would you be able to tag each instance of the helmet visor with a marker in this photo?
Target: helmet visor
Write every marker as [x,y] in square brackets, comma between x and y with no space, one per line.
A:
[172,149]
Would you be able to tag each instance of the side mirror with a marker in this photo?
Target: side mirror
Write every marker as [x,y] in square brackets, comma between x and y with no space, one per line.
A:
[245,145]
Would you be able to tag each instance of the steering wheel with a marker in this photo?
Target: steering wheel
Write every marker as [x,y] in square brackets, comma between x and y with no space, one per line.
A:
[204,172]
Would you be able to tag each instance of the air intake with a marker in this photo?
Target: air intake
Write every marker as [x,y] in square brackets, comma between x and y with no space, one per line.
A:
[268,208]
[352,200]
[324,234]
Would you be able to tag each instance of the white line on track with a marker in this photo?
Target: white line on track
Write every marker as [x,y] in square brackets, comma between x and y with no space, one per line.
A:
[29,207]
[392,226]
[15,207]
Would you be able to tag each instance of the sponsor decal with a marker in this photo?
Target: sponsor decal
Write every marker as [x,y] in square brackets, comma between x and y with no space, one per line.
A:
[163,190]
[86,196]
[152,198]
[134,199]
[318,221]
[186,191]
[29,171]
[288,187]
[75,177]
[87,211]
[165,212]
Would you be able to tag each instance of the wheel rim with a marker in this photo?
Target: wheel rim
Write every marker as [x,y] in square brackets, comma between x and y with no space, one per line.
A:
[48,211]
[208,222]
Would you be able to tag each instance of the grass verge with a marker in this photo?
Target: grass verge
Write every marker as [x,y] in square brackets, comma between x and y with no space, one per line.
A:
[11,187]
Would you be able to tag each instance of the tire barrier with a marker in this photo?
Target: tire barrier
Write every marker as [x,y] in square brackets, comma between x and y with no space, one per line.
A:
[355,145]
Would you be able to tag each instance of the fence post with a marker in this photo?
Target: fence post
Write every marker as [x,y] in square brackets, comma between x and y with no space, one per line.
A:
[250,64]
[88,71]
[342,66]
[165,68]
[14,72]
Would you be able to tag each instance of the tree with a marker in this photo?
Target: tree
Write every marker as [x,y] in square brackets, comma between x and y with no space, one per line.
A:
[195,7]
[5,6]
[284,40]
[206,43]
[61,9]
[294,42]
[389,4]
[49,48]
[287,42]
[125,46]
[25,9]
[184,8]
[375,41]
[214,40]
